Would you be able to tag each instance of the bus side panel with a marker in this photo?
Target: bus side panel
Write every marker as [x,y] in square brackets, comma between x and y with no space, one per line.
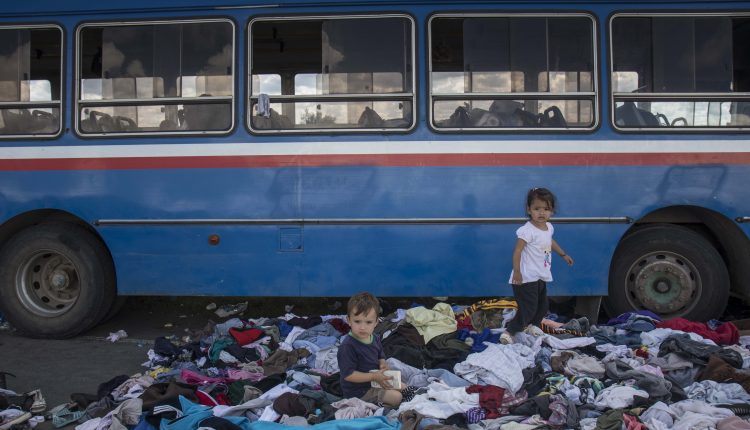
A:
[321,260]
[178,260]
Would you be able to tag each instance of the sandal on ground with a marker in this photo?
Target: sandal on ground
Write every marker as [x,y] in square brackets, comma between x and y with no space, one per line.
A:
[62,415]
[38,404]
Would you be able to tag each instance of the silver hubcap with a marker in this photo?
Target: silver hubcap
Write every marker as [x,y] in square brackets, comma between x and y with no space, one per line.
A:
[48,283]
[664,282]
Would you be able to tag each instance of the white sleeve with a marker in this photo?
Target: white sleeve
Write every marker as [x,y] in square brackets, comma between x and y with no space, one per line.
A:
[525,233]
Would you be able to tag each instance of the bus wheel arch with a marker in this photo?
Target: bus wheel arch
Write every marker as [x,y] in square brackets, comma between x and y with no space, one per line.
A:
[723,233]
[57,278]
[674,259]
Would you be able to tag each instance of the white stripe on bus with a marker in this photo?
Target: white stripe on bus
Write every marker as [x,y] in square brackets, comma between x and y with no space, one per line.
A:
[378,147]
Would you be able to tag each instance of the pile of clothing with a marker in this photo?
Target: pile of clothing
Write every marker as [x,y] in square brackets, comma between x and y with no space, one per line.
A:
[634,372]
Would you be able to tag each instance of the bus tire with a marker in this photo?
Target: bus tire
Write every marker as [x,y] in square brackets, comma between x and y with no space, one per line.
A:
[670,270]
[56,281]
[117,304]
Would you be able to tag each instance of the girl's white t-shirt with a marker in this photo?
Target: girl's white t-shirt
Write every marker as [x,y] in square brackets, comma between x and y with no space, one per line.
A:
[536,256]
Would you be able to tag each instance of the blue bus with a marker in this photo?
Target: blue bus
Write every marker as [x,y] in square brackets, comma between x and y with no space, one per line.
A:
[303,148]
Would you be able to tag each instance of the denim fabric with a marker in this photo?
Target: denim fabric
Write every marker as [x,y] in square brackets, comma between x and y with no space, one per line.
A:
[542,358]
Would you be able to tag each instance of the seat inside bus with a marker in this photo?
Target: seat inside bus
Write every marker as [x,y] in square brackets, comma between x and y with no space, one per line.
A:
[23,121]
[629,115]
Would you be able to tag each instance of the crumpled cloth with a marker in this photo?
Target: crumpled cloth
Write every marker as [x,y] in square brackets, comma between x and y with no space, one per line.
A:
[500,365]
[431,323]
[353,408]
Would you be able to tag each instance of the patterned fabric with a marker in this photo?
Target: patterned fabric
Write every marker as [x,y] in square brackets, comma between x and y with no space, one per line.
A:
[408,393]
[490,304]
[552,330]
[511,400]
[474,415]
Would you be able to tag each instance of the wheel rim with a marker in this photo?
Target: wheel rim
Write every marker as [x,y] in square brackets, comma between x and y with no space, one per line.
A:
[47,283]
[664,282]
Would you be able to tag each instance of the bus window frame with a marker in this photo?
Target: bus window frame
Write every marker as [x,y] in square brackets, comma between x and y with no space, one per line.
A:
[293,98]
[582,95]
[677,97]
[77,101]
[51,104]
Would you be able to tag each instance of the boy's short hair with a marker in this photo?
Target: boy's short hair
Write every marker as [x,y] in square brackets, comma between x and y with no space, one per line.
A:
[362,303]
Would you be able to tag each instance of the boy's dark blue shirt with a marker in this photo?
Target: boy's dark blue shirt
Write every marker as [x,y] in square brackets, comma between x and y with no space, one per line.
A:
[354,356]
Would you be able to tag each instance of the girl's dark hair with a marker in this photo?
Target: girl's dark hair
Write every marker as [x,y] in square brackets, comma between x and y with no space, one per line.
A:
[542,194]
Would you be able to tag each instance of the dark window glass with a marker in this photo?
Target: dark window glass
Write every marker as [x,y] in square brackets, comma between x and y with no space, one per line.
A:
[494,60]
[684,59]
[30,65]
[135,65]
[365,62]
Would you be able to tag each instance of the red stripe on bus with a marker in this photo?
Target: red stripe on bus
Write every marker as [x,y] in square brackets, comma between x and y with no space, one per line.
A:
[259,161]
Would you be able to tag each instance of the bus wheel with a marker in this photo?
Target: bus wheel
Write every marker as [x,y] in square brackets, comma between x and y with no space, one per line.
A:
[56,280]
[669,270]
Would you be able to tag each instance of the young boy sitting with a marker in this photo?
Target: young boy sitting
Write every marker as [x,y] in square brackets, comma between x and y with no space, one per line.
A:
[361,352]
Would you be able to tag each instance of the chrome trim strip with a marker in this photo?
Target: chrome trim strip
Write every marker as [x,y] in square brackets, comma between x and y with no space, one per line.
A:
[306,98]
[513,96]
[155,101]
[358,221]
[742,219]
[348,130]
[682,97]
[595,70]
[22,105]
[80,102]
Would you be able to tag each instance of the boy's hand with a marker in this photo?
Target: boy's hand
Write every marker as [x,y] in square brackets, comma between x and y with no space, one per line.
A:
[381,379]
[517,279]
[568,259]
[383,365]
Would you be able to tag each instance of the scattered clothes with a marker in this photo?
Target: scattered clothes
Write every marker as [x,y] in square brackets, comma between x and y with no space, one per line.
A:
[635,372]
[723,334]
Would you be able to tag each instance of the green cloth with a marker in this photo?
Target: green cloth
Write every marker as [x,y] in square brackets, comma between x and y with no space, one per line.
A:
[610,420]
[218,346]
[430,323]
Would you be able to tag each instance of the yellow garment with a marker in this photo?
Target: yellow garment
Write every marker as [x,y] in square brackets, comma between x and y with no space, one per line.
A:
[491,304]
[431,323]
[154,373]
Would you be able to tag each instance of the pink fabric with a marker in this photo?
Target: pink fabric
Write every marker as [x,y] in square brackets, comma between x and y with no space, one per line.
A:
[725,334]
[237,375]
[632,423]
[199,379]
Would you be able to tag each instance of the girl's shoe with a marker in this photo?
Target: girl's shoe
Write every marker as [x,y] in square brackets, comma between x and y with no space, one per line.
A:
[534,331]
[506,338]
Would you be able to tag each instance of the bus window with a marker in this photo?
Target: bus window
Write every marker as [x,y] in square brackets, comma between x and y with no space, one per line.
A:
[312,74]
[495,72]
[151,78]
[684,71]
[30,81]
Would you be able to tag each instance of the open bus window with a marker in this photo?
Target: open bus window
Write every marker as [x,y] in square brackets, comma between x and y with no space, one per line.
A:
[30,81]
[331,74]
[494,71]
[681,71]
[146,77]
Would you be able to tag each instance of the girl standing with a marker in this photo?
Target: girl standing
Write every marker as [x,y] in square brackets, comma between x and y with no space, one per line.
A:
[532,263]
